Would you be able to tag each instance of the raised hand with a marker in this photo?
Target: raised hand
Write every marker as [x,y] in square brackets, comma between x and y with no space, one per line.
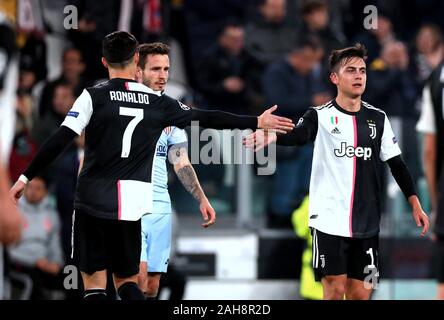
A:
[269,121]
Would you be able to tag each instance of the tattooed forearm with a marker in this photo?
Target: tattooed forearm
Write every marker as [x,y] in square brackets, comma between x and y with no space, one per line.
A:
[188,178]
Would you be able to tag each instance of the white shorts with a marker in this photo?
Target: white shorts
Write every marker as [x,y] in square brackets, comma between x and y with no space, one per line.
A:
[156,241]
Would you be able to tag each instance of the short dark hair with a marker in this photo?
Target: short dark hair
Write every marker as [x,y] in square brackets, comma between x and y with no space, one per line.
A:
[308,6]
[118,48]
[151,48]
[340,57]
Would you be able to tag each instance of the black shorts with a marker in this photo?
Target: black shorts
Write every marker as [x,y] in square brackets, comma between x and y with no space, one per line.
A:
[440,259]
[100,244]
[335,255]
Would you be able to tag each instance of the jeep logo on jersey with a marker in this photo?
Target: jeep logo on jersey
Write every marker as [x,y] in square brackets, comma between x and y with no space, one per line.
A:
[351,152]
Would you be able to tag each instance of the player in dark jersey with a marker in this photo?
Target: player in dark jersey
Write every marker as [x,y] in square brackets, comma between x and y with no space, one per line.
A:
[431,124]
[351,140]
[123,121]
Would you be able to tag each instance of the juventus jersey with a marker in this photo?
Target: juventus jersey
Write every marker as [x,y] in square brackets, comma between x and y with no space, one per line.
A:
[349,148]
[123,121]
[432,122]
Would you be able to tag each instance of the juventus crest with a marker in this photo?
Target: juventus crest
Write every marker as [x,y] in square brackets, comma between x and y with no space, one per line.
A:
[372,127]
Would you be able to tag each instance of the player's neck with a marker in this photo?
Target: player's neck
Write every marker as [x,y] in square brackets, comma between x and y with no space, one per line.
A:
[125,73]
[348,103]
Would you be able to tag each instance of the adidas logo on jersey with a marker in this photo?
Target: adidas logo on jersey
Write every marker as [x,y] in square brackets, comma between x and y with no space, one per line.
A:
[336,131]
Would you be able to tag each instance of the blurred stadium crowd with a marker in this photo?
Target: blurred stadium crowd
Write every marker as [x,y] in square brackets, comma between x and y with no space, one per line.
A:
[234,55]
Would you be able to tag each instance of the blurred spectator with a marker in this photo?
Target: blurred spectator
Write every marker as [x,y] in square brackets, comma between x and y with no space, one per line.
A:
[229,76]
[147,20]
[38,253]
[269,37]
[390,83]
[392,87]
[429,51]
[96,20]
[375,39]
[204,21]
[294,85]
[24,147]
[31,37]
[72,74]
[62,101]
[316,22]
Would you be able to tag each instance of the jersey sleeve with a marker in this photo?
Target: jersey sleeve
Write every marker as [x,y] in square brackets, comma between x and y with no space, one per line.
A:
[176,113]
[426,123]
[305,130]
[389,143]
[177,138]
[78,117]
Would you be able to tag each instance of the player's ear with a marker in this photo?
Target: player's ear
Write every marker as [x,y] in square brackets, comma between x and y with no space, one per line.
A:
[136,58]
[139,74]
[334,78]
[104,62]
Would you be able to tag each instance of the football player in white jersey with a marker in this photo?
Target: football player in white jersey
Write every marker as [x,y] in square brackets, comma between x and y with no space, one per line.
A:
[351,139]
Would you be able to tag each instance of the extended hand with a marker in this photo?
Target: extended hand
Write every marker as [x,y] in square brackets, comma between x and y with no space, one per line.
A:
[268,121]
[260,139]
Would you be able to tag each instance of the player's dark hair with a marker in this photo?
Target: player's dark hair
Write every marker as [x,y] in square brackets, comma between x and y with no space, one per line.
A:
[118,48]
[151,48]
[341,57]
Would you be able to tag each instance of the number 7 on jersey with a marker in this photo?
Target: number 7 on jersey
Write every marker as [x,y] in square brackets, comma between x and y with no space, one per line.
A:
[128,134]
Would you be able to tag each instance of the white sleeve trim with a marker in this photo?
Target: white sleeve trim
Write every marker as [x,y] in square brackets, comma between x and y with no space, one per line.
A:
[389,143]
[177,136]
[23,179]
[78,117]
[426,123]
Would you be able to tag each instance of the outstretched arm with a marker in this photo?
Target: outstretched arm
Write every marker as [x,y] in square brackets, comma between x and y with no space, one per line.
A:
[180,115]
[44,157]
[225,120]
[187,176]
[305,131]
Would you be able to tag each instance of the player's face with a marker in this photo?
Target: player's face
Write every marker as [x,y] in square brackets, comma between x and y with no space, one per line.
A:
[351,78]
[156,72]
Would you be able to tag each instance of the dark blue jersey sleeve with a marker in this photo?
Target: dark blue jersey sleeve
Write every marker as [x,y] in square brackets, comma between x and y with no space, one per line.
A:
[305,130]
